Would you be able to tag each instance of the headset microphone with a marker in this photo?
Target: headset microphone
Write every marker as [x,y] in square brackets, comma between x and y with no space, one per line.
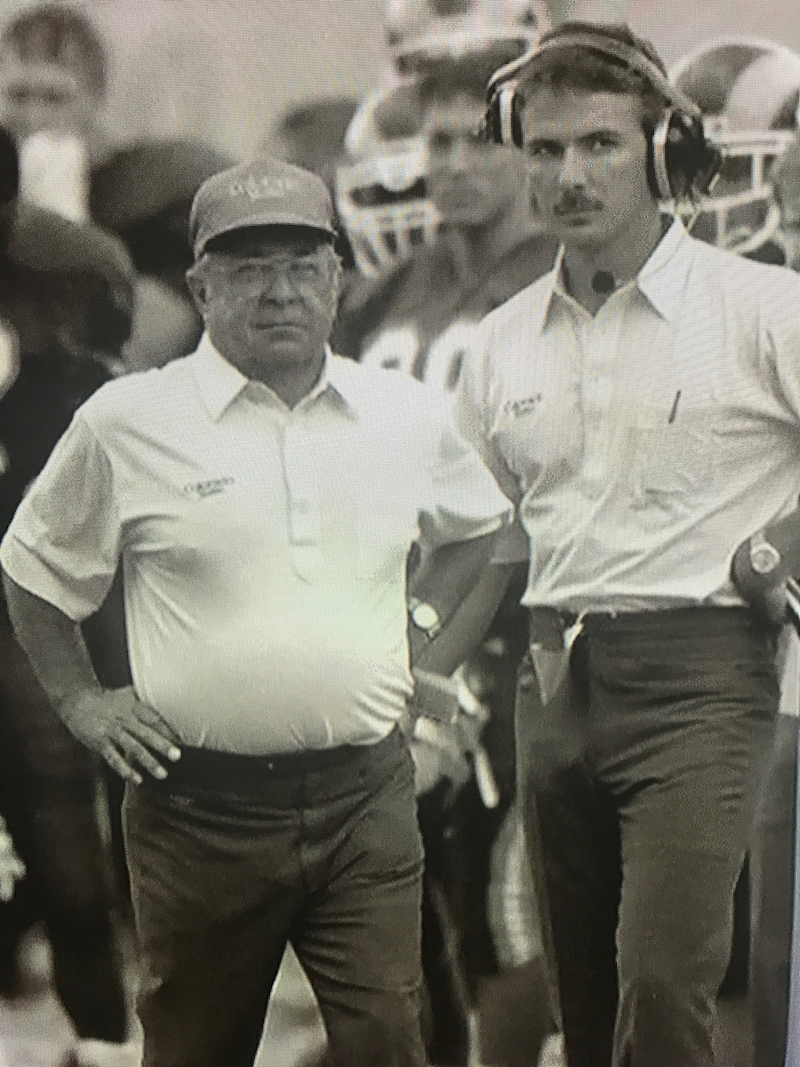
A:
[603,282]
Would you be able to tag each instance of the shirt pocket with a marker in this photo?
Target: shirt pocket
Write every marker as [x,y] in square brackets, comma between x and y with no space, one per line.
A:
[675,457]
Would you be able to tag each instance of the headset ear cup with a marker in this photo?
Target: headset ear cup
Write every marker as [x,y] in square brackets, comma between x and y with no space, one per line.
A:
[497,119]
[710,165]
[692,160]
[660,173]
[490,127]
[682,162]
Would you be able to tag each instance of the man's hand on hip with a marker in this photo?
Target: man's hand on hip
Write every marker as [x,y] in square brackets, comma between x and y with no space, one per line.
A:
[128,734]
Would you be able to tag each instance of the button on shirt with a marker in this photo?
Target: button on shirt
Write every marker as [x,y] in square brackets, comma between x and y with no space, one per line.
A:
[643,444]
[263,547]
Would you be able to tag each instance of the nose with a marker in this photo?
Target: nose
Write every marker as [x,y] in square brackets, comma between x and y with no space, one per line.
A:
[573,168]
[278,288]
[458,161]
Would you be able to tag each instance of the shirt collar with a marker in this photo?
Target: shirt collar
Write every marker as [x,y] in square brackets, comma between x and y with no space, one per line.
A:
[662,279]
[220,382]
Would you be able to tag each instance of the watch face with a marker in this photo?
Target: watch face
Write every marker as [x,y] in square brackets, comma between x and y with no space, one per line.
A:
[764,558]
[425,616]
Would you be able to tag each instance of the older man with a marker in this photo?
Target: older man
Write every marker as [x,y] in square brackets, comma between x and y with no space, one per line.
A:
[262,495]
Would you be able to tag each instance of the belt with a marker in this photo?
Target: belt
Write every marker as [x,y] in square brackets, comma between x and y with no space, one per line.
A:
[548,625]
[203,766]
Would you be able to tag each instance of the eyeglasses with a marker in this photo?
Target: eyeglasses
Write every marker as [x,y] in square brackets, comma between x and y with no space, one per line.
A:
[259,273]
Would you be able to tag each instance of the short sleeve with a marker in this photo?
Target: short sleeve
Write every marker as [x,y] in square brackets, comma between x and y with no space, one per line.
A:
[465,500]
[512,545]
[63,542]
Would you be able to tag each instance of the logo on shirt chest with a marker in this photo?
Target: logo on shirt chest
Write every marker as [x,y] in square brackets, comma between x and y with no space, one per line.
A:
[210,487]
[514,408]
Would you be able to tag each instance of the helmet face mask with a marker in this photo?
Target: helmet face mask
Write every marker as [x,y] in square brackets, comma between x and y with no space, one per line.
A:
[748,92]
[382,197]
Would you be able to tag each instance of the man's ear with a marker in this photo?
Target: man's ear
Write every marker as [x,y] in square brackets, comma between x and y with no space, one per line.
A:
[197,286]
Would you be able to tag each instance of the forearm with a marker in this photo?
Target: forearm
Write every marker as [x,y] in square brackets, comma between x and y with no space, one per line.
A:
[53,643]
[130,736]
[468,624]
[443,578]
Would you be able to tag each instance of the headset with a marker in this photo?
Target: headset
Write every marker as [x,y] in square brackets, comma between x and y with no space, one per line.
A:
[682,161]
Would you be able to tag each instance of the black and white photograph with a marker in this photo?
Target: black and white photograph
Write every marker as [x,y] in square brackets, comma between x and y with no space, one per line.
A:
[399,533]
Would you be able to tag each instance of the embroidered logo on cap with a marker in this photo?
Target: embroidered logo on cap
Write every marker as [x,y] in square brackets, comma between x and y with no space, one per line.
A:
[263,188]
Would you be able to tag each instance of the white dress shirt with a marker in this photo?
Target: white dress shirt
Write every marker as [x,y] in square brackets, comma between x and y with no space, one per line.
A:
[643,444]
[263,547]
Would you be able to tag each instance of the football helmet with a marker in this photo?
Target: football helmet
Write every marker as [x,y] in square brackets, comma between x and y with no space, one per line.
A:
[380,185]
[418,31]
[748,90]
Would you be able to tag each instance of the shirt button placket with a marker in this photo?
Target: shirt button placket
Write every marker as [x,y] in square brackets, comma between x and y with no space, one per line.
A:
[302,502]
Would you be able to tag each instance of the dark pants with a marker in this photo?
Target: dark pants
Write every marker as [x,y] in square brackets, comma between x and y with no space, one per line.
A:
[233,856]
[48,794]
[642,771]
[773,895]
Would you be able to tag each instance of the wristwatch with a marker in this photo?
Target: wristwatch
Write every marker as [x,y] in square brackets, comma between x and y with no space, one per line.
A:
[425,617]
[764,557]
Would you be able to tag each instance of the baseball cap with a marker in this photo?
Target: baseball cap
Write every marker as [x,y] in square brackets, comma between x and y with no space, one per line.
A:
[264,192]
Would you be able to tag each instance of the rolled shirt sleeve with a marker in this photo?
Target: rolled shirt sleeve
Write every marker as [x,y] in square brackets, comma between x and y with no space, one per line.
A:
[63,543]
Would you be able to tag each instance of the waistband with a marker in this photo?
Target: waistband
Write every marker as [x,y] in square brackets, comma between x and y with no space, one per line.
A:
[203,767]
[695,620]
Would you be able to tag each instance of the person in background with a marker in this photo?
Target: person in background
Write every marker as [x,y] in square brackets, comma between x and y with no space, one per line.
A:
[66,299]
[53,83]
[263,495]
[640,404]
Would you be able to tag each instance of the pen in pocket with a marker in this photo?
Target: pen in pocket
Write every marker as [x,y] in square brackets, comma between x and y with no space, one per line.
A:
[674,410]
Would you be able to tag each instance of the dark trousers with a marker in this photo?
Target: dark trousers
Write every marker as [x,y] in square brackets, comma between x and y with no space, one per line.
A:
[773,895]
[642,771]
[48,795]
[233,856]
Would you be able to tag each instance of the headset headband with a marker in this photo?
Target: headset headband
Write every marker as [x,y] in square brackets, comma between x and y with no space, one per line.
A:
[632,57]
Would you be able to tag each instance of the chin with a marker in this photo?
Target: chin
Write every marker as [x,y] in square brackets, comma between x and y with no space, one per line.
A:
[586,236]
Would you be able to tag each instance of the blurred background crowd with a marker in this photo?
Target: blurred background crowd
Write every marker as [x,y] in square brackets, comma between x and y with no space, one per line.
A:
[111,115]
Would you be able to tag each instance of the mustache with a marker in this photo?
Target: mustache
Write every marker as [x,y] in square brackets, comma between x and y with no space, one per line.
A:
[572,202]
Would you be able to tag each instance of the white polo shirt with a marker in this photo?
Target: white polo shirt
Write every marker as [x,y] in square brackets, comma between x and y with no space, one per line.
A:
[263,548]
[643,444]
